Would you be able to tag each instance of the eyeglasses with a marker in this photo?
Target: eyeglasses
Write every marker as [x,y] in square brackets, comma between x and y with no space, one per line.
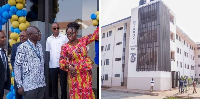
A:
[70,34]
[56,28]
[38,33]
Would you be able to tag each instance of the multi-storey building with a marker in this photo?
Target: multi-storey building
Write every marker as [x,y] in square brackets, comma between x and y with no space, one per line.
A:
[147,45]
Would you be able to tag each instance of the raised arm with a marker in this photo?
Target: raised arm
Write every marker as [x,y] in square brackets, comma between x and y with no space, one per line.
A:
[19,60]
[91,37]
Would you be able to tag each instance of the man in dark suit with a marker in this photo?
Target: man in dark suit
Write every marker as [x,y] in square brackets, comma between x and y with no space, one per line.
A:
[4,68]
[23,37]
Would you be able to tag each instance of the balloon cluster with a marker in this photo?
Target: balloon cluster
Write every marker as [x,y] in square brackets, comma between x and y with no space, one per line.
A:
[15,12]
[95,18]
[95,22]
[18,19]
[11,94]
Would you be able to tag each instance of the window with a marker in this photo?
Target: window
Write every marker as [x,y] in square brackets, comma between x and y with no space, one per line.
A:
[198,56]
[195,74]
[119,43]
[181,64]
[120,28]
[107,61]
[177,50]
[177,63]
[199,65]
[108,47]
[192,67]
[176,36]
[198,48]
[106,77]
[185,65]
[184,42]
[172,36]
[110,33]
[103,36]
[199,74]
[101,62]
[190,47]
[102,48]
[179,38]
[172,56]
[187,44]
[188,67]
[117,75]
[107,34]
[117,59]
[180,51]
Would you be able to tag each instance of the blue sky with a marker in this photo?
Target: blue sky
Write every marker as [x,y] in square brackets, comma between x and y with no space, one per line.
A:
[186,11]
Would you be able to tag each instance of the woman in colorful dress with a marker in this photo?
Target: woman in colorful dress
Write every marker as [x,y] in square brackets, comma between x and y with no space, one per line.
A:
[74,60]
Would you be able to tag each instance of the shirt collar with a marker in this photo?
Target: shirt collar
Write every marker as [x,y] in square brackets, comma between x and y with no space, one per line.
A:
[56,37]
[32,43]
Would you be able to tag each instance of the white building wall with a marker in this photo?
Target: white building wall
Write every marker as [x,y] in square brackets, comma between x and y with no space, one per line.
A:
[114,67]
[197,61]
[181,58]
[108,54]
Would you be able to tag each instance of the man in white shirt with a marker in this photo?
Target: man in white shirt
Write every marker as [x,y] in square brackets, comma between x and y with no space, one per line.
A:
[53,45]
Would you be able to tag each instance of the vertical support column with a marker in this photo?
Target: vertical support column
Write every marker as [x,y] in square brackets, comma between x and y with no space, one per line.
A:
[47,54]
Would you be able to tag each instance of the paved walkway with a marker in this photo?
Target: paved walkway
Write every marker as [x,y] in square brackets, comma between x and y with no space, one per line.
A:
[162,94]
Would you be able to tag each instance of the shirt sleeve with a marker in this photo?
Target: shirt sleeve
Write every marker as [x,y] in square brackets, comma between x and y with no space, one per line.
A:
[19,60]
[91,37]
[63,59]
[48,48]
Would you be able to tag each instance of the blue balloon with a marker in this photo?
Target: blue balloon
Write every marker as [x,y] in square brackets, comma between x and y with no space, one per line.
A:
[12,71]
[5,15]
[8,7]
[13,91]
[12,29]
[4,8]
[25,13]
[93,16]
[20,13]
[13,9]
[10,14]
[14,97]
[3,20]
[0,27]
[1,10]
[16,31]
[11,87]
[9,95]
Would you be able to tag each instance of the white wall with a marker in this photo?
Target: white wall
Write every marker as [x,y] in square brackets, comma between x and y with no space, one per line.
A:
[185,60]
[107,69]
[197,62]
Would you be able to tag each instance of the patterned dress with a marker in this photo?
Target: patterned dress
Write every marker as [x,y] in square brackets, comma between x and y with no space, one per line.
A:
[80,85]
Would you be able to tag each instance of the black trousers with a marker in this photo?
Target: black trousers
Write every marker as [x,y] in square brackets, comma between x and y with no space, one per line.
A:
[2,94]
[63,82]
[17,96]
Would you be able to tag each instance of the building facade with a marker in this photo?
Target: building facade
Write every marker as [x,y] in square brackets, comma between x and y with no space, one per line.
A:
[147,45]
